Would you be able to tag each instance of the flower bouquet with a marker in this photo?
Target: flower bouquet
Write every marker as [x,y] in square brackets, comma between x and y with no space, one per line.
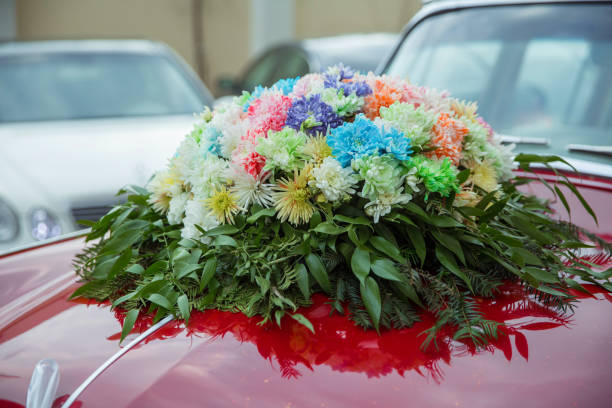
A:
[388,197]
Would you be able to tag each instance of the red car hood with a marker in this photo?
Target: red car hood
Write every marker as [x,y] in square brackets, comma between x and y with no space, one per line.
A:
[220,359]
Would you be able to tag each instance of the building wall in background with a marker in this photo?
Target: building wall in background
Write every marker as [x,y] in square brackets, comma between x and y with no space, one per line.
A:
[226,37]
[8,26]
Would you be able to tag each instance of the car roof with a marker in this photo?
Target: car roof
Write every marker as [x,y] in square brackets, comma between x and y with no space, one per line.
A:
[360,51]
[17,48]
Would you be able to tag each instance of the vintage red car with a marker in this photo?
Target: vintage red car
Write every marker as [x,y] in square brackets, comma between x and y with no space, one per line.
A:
[541,358]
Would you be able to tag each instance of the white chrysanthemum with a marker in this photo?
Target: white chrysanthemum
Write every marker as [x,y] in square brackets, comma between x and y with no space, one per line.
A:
[412,180]
[334,181]
[308,85]
[177,208]
[185,156]
[343,105]
[207,174]
[196,213]
[383,204]
[228,118]
[503,157]
[250,190]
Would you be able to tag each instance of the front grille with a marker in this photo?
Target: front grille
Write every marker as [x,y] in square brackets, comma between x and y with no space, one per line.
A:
[89,213]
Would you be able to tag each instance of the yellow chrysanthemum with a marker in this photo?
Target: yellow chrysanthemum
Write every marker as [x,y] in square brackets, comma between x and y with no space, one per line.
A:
[485,176]
[163,186]
[223,205]
[292,200]
[317,148]
[463,108]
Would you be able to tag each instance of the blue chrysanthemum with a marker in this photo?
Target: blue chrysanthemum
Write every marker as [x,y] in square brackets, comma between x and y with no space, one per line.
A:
[362,138]
[286,85]
[354,140]
[283,85]
[312,115]
[211,137]
[395,143]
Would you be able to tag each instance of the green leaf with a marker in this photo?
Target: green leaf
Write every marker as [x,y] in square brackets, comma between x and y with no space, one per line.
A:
[160,300]
[360,263]
[183,269]
[529,229]
[493,210]
[462,176]
[581,198]
[527,256]
[123,260]
[447,260]
[451,243]
[317,269]
[209,271]
[386,270]
[387,248]
[124,298]
[266,212]
[103,268]
[416,237]
[542,275]
[302,280]
[351,220]
[128,323]
[552,291]
[120,242]
[136,269]
[370,295]
[183,305]
[221,230]
[563,200]
[407,290]
[300,318]
[329,228]
[444,221]
[224,240]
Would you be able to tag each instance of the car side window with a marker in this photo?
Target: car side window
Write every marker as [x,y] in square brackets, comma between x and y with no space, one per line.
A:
[292,63]
[261,72]
[547,63]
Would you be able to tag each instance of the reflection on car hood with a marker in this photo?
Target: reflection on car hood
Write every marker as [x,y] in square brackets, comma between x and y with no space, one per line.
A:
[91,158]
[542,359]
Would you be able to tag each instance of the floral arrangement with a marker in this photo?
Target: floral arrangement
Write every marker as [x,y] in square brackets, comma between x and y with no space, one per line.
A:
[388,197]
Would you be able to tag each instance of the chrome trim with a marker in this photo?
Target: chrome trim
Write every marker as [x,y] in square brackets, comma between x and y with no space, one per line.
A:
[542,141]
[114,358]
[600,150]
[36,244]
[581,168]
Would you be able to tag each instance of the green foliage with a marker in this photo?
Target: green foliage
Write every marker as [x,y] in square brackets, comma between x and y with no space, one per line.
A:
[423,255]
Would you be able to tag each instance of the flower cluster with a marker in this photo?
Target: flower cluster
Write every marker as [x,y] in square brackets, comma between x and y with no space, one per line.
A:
[309,144]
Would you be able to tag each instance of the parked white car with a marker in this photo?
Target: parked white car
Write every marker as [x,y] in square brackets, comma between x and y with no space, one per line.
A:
[81,119]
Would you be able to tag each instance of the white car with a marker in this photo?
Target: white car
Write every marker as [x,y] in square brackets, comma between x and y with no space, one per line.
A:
[81,119]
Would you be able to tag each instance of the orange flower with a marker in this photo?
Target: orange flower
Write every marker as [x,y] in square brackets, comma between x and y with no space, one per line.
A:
[448,137]
[384,93]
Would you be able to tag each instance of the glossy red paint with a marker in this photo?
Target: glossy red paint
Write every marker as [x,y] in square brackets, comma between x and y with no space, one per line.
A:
[222,359]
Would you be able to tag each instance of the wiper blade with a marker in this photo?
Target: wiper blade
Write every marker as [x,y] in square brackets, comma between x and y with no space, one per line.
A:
[592,149]
[541,141]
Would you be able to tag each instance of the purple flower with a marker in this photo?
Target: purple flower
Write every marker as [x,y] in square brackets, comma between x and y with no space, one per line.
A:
[312,115]
[335,76]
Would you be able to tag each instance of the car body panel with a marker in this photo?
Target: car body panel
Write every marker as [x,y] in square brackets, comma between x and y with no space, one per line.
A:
[226,359]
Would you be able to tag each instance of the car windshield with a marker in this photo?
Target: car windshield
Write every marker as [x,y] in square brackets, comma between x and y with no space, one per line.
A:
[92,85]
[539,72]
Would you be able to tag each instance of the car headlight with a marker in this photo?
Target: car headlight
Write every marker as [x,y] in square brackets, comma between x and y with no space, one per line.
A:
[44,225]
[9,223]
